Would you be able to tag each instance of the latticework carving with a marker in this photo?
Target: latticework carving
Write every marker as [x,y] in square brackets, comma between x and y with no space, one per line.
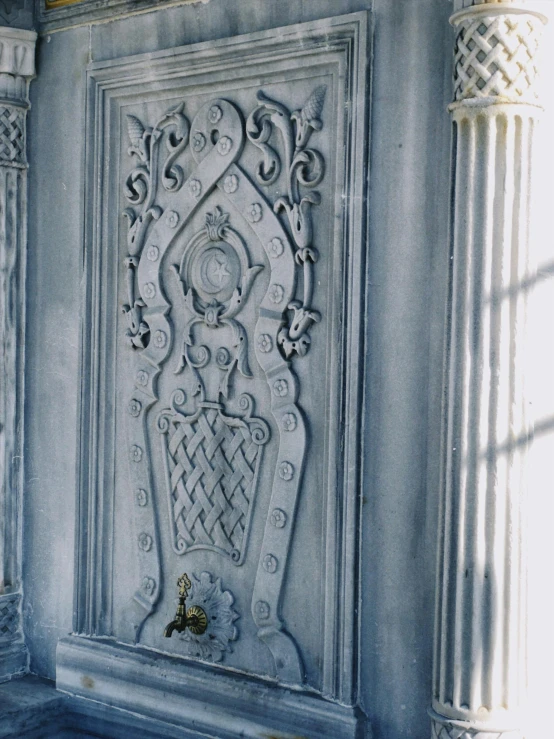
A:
[12,139]
[213,465]
[448,731]
[496,56]
[9,618]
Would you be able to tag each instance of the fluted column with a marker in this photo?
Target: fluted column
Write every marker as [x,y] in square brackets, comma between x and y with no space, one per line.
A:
[17,68]
[480,656]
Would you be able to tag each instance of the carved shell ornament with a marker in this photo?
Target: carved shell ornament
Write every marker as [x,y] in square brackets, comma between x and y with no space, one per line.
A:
[210,440]
[218,606]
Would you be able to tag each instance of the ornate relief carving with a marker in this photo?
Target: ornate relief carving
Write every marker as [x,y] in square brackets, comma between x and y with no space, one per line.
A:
[497,56]
[12,135]
[337,55]
[216,278]
[211,462]
[211,454]
[9,618]
[140,189]
[217,604]
[449,731]
[304,167]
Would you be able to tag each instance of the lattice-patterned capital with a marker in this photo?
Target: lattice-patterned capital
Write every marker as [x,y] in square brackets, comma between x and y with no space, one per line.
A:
[450,731]
[496,55]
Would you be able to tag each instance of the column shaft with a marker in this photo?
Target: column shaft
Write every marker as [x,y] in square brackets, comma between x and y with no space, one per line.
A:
[479,668]
[16,69]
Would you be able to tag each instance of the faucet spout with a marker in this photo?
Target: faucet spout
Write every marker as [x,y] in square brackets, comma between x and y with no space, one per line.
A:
[169,629]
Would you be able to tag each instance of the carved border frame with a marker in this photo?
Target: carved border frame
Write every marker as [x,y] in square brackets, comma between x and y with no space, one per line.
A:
[342,41]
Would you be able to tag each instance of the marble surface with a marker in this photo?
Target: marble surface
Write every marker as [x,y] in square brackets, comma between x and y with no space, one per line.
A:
[407,264]
[31,707]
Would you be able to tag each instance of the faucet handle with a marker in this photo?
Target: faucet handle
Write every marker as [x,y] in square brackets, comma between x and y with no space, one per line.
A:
[184,584]
[194,619]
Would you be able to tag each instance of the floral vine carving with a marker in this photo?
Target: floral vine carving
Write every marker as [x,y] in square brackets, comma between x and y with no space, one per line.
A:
[304,169]
[140,190]
[211,497]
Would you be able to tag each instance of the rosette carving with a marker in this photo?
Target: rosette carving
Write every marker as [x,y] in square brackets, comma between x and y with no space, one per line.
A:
[217,604]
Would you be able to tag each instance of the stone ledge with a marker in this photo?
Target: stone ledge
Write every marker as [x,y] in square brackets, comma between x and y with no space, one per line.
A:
[194,697]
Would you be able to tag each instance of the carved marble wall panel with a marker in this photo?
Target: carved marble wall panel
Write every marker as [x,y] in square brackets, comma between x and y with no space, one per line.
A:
[221,348]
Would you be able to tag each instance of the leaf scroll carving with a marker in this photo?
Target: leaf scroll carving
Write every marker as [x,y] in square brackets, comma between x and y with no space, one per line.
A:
[141,189]
[304,169]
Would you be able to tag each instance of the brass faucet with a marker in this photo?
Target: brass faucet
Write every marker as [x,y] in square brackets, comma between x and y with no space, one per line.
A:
[194,619]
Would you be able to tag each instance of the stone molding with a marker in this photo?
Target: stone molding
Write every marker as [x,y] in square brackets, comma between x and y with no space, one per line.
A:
[16,70]
[189,694]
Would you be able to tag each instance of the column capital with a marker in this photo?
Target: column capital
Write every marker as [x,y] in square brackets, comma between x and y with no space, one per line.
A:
[496,52]
[17,64]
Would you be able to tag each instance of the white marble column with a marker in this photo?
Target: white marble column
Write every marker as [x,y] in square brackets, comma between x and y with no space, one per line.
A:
[17,68]
[479,677]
